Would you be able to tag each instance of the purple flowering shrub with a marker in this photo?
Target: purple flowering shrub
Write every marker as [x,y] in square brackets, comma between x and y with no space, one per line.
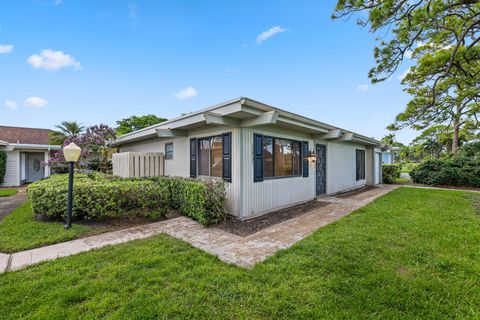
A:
[95,151]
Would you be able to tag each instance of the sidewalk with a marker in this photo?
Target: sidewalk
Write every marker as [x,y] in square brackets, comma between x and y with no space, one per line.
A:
[230,248]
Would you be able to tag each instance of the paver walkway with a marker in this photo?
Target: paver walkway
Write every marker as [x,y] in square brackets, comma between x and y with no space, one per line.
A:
[8,204]
[230,248]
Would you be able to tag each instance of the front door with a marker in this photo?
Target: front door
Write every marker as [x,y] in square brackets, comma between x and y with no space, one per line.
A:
[35,171]
[321,169]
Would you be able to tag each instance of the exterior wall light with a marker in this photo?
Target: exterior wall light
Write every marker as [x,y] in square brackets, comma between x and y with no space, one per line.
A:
[312,156]
[71,154]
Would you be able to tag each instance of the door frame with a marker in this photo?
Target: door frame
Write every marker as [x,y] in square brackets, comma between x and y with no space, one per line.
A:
[325,171]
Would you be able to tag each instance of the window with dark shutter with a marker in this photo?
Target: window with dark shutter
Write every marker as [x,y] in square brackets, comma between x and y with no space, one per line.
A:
[227,157]
[305,158]
[257,157]
[193,157]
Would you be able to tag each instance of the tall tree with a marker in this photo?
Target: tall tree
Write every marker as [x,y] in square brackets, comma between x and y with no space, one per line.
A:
[442,38]
[134,123]
[66,130]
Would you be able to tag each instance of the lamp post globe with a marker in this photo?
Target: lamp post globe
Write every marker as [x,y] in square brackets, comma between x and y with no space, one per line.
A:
[71,153]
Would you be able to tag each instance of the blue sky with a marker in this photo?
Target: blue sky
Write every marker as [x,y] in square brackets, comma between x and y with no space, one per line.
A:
[100,61]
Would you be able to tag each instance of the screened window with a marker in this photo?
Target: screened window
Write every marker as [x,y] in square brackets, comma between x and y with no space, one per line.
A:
[281,157]
[210,152]
[360,164]
[169,151]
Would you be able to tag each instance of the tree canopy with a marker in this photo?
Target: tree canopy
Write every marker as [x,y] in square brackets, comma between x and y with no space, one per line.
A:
[441,37]
[66,129]
[134,123]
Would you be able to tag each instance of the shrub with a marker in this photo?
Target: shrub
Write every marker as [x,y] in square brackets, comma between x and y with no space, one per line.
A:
[202,200]
[99,196]
[390,173]
[455,171]
[3,165]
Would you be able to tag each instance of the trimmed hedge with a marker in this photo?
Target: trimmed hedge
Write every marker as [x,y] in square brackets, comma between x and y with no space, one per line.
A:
[455,171]
[99,196]
[202,200]
[3,165]
[390,173]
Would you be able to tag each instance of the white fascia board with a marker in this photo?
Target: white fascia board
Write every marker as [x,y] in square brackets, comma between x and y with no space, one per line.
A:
[46,147]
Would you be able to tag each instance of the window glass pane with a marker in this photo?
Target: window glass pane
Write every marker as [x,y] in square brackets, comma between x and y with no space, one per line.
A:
[203,157]
[283,158]
[267,157]
[169,151]
[217,163]
[296,158]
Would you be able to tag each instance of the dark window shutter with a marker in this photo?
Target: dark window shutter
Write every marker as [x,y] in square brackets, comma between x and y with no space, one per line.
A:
[257,157]
[227,157]
[193,158]
[305,158]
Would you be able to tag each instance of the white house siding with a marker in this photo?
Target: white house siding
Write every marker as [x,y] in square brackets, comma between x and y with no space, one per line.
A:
[180,164]
[12,173]
[272,194]
[341,166]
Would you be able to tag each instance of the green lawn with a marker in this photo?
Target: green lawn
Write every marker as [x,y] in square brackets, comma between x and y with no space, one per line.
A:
[7,192]
[412,254]
[20,231]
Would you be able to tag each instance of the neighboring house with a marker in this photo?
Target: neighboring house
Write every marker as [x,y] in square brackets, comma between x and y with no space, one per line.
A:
[390,155]
[269,158]
[27,149]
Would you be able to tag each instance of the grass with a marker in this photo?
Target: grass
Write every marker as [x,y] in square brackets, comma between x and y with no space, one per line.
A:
[20,231]
[412,254]
[7,192]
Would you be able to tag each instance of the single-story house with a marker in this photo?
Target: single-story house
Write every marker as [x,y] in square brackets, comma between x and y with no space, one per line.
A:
[269,158]
[27,149]
[390,155]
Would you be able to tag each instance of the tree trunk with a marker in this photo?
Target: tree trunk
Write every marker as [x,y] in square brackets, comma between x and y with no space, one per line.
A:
[456,129]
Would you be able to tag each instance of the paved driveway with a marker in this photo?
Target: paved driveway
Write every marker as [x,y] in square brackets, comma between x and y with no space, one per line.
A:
[8,204]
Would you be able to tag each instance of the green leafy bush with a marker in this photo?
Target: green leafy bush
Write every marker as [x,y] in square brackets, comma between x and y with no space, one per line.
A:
[204,201]
[99,196]
[3,165]
[455,171]
[390,173]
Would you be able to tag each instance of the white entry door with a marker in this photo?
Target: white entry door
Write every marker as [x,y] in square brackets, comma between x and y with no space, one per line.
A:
[377,172]
[35,171]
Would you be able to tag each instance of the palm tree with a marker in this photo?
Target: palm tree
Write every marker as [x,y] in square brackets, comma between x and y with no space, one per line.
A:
[67,129]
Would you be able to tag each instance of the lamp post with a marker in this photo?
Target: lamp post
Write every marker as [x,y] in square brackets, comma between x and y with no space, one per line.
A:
[71,154]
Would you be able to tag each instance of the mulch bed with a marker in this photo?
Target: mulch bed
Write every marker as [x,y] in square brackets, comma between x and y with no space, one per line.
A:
[352,193]
[248,227]
[114,224]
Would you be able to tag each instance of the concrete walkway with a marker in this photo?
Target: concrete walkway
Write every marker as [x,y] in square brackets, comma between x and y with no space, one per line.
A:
[8,204]
[230,248]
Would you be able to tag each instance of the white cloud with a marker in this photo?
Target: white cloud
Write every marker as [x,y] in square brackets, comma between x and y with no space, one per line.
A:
[186,93]
[6,48]
[35,102]
[232,70]
[362,87]
[53,60]
[269,33]
[408,54]
[9,104]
